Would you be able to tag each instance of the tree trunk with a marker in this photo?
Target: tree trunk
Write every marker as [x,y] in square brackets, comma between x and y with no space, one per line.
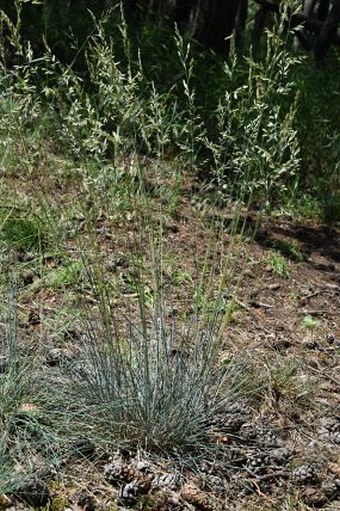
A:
[182,11]
[218,23]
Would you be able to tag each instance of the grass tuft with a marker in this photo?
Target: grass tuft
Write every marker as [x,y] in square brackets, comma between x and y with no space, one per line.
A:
[22,233]
[151,383]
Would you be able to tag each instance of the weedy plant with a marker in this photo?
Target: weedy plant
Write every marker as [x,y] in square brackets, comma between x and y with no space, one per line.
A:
[310,322]
[279,265]
[288,250]
[21,232]
[287,386]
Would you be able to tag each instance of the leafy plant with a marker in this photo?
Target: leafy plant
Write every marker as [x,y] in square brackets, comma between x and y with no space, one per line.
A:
[279,265]
[68,275]
[287,249]
[310,322]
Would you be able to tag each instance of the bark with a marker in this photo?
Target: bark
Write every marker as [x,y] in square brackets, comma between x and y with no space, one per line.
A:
[328,31]
[183,11]
[218,23]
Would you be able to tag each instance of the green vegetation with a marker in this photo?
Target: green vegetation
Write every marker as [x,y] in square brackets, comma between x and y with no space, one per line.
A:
[279,264]
[29,431]
[148,383]
[20,232]
[286,385]
[288,250]
[310,322]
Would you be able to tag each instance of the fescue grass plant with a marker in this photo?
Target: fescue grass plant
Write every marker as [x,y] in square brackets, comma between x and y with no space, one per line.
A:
[30,439]
[150,381]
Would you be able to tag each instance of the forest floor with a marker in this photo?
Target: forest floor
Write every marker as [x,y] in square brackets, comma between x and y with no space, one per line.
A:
[278,451]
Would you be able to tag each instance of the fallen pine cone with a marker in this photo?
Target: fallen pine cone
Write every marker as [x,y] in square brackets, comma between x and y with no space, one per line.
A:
[132,490]
[5,501]
[193,495]
[313,496]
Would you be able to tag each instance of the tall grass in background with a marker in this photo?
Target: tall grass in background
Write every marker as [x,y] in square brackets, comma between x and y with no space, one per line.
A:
[147,377]
[256,150]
